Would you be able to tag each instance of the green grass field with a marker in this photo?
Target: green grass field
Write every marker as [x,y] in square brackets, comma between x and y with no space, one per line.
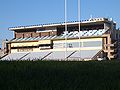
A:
[51,75]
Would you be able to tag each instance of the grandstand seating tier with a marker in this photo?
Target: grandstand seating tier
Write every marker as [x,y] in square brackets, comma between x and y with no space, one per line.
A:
[84,54]
[36,55]
[15,56]
[53,55]
[59,55]
[72,34]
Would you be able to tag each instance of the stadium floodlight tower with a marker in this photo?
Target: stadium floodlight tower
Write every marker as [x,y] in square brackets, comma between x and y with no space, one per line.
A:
[79,28]
[66,29]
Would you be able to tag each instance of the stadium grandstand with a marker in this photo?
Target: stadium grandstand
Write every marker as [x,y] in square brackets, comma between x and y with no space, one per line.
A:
[97,39]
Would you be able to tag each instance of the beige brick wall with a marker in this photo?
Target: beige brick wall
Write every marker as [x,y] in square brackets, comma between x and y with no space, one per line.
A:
[45,33]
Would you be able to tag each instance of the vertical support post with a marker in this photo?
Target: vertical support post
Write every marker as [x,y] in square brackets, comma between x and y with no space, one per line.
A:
[79,28]
[65,29]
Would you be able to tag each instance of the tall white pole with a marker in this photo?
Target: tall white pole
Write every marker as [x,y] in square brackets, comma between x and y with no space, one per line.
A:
[79,29]
[65,29]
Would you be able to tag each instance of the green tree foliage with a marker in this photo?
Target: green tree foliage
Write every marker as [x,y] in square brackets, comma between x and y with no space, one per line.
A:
[54,75]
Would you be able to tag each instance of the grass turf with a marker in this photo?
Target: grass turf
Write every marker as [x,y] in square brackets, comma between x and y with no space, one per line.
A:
[53,75]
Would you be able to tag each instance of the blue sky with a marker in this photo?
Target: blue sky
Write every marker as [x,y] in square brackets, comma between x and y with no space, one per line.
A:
[30,12]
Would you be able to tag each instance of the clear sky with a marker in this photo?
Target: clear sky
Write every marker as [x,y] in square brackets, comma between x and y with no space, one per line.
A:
[30,12]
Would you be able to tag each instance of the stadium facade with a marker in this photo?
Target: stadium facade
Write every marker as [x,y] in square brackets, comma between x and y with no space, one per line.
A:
[97,39]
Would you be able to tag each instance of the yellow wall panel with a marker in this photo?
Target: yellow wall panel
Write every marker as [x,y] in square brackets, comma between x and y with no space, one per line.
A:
[20,44]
